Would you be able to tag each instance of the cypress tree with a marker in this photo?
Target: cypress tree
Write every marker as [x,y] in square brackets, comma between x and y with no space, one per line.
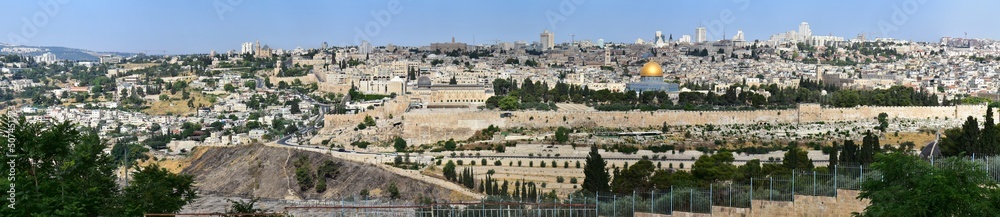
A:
[970,136]
[850,153]
[595,175]
[833,155]
[988,140]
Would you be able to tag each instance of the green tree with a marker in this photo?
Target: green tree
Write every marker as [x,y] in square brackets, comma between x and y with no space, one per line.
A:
[450,145]
[562,135]
[596,177]
[509,103]
[952,187]
[750,169]
[369,121]
[849,155]
[716,167]
[241,208]
[156,190]
[304,177]
[869,147]
[883,122]
[990,138]
[78,178]
[135,153]
[833,155]
[294,109]
[634,178]
[797,159]
[449,171]
[399,144]
[393,191]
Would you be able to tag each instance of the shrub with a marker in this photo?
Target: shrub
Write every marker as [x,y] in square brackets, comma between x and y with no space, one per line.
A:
[360,144]
[321,185]
[393,191]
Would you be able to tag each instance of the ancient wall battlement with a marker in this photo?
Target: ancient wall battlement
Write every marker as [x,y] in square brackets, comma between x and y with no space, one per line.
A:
[426,127]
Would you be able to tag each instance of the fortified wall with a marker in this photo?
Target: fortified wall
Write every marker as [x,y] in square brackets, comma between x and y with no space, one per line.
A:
[843,204]
[393,107]
[426,127]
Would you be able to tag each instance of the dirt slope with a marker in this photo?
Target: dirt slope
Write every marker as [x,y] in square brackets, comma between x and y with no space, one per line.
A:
[268,172]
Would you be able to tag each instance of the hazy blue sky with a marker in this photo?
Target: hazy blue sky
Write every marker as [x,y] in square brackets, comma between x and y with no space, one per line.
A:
[198,26]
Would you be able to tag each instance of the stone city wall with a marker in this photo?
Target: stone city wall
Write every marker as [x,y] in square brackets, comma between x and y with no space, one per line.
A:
[427,127]
[843,204]
[393,107]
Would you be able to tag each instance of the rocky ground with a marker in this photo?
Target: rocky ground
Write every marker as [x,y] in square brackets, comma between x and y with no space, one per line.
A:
[259,171]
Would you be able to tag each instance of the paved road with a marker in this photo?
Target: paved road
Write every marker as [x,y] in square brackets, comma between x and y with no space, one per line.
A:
[583,158]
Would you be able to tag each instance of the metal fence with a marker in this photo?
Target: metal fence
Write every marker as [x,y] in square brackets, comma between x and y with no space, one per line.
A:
[690,199]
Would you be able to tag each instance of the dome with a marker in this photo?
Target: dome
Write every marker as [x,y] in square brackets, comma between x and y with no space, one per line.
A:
[651,69]
[423,81]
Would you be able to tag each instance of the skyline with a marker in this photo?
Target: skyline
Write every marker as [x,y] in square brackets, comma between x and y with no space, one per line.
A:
[222,25]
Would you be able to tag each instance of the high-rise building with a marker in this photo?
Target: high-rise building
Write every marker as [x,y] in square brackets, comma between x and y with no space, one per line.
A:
[738,36]
[658,40]
[804,31]
[365,47]
[46,57]
[247,48]
[700,35]
[684,39]
[110,59]
[548,40]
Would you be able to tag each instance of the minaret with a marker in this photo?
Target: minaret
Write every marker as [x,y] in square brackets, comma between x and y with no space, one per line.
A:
[256,50]
[607,56]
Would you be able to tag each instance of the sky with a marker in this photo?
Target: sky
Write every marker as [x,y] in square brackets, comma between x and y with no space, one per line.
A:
[200,26]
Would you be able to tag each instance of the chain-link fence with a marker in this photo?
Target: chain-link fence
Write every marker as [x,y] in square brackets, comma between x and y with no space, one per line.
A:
[689,199]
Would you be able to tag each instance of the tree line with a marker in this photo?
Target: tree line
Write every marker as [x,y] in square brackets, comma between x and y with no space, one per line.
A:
[79,179]
[527,94]
[971,141]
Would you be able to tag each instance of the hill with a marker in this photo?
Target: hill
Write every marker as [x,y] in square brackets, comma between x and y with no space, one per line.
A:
[62,53]
[269,172]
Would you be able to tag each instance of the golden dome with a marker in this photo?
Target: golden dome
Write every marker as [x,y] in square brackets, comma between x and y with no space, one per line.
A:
[651,69]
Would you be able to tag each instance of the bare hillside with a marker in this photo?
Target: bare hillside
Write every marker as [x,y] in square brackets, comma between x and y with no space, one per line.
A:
[269,172]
